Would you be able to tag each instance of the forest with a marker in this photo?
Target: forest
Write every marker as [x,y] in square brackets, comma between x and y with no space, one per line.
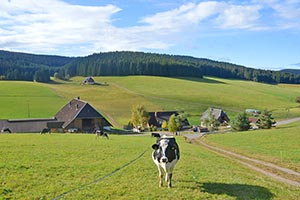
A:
[29,67]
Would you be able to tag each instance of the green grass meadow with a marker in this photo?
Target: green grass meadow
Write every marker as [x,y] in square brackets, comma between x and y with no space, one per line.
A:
[34,166]
[20,99]
[37,166]
[116,98]
[280,145]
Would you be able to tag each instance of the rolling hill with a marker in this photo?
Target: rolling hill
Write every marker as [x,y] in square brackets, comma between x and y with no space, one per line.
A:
[116,97]
[21,66]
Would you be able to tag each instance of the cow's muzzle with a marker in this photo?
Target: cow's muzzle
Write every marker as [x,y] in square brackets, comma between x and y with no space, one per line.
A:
[164,159]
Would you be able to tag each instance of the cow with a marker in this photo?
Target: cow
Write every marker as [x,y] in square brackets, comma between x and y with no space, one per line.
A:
[45,130]
[165,155]
[157,135]
[6,130]
[101,133]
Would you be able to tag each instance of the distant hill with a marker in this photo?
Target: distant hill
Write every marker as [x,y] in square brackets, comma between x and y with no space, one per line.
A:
[139,63]
[22,66]
[292,71]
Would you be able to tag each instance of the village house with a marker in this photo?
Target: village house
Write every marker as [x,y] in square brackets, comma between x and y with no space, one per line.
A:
[157,118]
[218,114]
[76,116]
[88,81]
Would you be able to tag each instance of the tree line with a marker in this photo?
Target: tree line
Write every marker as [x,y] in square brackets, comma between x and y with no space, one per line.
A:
[20,66]
[29,67]
[132,63]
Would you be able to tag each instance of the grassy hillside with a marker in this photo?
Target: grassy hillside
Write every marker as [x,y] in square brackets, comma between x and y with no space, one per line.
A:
[193,96]
[279,145]
[46,166]
[20,99]
[116,98]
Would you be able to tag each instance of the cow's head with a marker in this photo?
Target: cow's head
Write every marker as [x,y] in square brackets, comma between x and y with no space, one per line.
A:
[166,150]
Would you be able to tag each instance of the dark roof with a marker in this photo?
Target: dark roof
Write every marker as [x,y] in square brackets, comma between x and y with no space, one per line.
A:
[218,114]
[157,118]
[77,109]
[88,80]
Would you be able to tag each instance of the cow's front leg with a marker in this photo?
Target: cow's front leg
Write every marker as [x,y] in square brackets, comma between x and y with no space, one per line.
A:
[169,179]
[160,174]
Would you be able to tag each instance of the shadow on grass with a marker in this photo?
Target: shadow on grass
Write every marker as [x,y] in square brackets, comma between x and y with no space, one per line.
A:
[238,191]
[201,80]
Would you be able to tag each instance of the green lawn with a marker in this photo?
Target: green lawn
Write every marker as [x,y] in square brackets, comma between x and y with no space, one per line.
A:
[46,166]
[280,145]
[19,99]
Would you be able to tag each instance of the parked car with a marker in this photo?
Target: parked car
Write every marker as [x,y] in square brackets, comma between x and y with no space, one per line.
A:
[72,130]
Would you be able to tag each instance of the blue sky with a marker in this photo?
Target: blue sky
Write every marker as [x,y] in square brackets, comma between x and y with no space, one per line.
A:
[261,34]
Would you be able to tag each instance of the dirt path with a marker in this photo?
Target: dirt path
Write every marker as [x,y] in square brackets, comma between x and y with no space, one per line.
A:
[287,121]
[271,170]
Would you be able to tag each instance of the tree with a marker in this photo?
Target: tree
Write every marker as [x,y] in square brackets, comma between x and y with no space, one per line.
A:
[139,117]
[42,75]
[241,123]
[164,125]
[172,125]
[180,119]
[265,120]
[56,75]
[297,99]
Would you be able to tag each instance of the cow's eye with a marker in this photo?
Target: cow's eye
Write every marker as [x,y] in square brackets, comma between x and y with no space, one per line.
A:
[173,148]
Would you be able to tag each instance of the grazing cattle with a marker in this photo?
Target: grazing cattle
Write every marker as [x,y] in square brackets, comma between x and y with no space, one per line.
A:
[165,155]
[45,130]
[5,130]
[101,133]
[157,135]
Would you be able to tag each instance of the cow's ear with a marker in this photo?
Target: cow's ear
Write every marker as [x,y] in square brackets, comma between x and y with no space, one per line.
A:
[155,146]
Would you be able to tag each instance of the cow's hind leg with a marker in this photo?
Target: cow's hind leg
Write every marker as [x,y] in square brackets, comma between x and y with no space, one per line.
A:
[169,179]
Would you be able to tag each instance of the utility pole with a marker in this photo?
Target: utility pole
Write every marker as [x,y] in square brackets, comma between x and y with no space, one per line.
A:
[28,109]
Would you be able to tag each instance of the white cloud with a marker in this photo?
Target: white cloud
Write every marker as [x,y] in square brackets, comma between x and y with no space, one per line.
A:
[240,17]
[223,15]
[56,27]
[47,24]
[285,14]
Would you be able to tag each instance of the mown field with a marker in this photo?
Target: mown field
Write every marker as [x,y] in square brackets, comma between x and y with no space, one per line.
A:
[48,166]
[280,145]
[20,99]
[65,166]
[116,98]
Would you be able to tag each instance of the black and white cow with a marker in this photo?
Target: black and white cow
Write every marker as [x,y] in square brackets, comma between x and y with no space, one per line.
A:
[165,155]
[101,133]
[45,130]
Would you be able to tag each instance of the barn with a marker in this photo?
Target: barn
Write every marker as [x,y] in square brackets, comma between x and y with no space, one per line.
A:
[76,115]
[89,81]
[80,115]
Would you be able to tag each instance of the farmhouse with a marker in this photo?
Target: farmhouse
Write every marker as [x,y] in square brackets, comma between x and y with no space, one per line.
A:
[218,114]
[81,115]
[89,81]
[76,115]
[157,118]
